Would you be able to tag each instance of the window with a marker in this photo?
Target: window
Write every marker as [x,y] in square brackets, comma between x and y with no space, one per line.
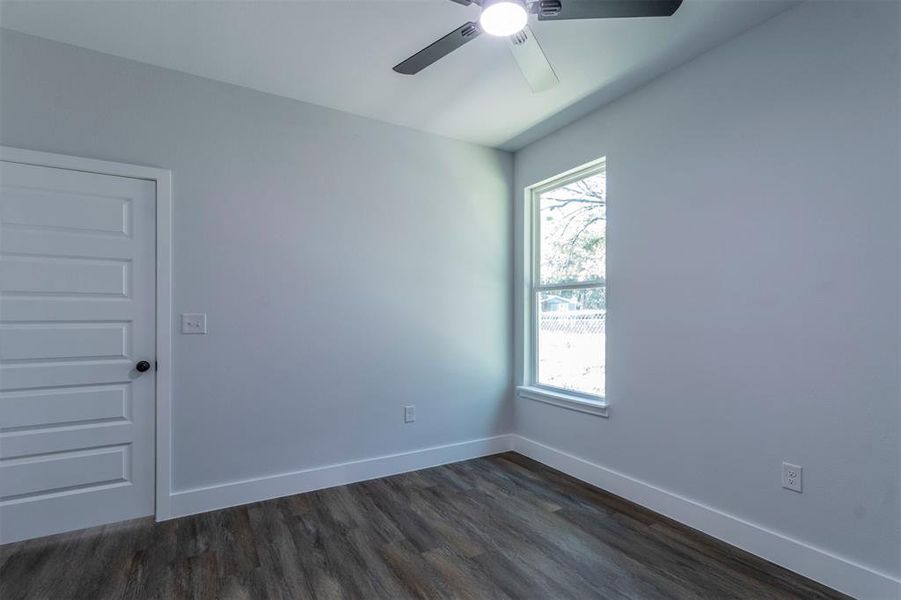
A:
[568,299]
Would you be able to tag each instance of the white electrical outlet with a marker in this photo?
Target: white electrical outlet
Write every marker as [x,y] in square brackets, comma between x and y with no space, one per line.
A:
[409,414]
[791,477]
[193,323]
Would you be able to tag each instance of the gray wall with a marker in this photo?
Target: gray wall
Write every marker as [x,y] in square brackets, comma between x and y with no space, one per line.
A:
[348,267]
[754,279]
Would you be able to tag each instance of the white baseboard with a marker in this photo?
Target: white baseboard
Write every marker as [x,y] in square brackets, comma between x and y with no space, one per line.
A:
[817,564]
[234,493]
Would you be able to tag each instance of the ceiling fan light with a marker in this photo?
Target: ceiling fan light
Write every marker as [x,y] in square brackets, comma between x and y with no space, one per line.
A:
[503,18]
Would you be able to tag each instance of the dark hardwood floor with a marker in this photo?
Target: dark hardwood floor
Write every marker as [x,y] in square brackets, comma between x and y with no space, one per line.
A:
[496,527]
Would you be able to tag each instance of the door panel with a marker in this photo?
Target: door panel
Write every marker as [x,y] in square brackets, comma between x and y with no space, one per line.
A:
[63,470]
[63,340]
[62,406]
[77,311]
[30,276]
[59,209]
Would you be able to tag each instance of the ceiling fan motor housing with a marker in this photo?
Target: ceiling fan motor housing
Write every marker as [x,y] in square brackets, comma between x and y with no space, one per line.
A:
[519,38]
[549,8]
[469,30]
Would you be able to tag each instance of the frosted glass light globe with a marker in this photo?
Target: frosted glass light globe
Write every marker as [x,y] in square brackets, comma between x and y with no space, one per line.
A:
[503,18]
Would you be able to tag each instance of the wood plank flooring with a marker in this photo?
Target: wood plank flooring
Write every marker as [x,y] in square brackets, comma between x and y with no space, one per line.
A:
[494,528]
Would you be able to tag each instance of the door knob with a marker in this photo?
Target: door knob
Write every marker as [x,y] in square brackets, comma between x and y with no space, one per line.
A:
[142,366]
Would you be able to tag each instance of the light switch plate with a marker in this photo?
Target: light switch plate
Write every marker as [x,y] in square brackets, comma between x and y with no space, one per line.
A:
[193,323]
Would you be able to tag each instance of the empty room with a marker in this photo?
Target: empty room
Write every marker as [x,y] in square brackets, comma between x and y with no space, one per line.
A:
[450,299]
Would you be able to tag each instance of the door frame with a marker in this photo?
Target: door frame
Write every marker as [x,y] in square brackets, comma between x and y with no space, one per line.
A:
[163,373]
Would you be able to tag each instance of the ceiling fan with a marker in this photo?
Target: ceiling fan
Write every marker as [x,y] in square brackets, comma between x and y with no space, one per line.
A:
[509,18]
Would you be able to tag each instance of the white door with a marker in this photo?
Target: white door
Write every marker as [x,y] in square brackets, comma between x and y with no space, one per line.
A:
[77,303]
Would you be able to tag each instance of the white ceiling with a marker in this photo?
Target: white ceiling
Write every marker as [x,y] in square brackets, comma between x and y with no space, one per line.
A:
[339,53]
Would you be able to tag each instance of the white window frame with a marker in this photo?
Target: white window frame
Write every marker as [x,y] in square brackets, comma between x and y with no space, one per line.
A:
[530,389]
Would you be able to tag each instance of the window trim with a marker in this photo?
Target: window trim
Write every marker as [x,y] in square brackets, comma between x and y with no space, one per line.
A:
[530,389]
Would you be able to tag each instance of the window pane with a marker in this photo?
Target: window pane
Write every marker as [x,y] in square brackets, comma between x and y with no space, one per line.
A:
[573,230]
[571,336]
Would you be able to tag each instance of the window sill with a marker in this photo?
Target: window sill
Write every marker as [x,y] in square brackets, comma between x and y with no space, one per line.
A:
[563,400]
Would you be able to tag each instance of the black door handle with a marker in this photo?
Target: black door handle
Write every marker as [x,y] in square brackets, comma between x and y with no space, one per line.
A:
[142,366]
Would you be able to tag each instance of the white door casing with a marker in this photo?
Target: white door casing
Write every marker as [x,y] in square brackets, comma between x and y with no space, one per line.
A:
[77,312]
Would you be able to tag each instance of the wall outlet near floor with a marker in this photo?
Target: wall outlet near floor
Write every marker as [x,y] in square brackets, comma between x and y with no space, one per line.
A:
[409,414]
[791,477]
[193,323]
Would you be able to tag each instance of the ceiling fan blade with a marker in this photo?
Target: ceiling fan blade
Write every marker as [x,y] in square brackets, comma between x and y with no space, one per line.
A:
[532,61]
[440,49]
[559,10]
